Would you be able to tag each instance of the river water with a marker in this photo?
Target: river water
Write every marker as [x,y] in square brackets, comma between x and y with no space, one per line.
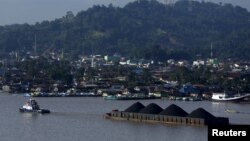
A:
[81,119]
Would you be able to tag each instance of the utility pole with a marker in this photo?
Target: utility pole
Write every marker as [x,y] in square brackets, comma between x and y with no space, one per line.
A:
[211,51]
[35,47]
[62,54]
[190,6]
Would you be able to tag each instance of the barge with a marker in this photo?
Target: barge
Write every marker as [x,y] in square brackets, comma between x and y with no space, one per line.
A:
[43,94]
[171,115]
[114,97]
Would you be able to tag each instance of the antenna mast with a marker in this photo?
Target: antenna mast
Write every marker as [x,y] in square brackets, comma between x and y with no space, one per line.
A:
[35,47]
[190,7]
[211,49]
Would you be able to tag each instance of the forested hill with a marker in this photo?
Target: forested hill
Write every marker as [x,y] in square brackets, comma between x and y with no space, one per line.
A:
[142,29]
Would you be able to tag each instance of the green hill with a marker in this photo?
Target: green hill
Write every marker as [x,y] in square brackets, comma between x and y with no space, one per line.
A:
[142,29]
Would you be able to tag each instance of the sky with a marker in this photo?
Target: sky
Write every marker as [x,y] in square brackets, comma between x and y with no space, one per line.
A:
[32,11]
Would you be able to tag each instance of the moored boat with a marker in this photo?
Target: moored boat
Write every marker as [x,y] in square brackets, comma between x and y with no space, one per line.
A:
[223,97]
[31,106]
[62,94]
[129,97]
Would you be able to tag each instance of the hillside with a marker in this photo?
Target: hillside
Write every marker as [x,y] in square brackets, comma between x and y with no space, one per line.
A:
[142,29]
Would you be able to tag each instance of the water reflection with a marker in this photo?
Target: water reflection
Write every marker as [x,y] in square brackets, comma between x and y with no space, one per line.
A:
[77,119]
[29,117]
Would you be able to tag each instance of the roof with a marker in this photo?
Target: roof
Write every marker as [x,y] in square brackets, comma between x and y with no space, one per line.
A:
[2,71]
[186,89]
[174,110]
[135,108]
[151,109]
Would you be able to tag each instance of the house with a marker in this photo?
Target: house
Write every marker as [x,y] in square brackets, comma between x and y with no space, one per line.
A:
[198,63]
[2,72]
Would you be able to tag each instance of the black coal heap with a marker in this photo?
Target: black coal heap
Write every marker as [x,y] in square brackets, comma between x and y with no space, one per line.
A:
[151,109]
[174,110]
[135,108]
[201,113]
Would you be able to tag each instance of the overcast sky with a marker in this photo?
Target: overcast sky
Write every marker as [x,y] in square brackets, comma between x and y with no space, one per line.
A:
[32,11]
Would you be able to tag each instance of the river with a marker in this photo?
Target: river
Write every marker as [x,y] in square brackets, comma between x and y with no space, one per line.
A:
[81,119]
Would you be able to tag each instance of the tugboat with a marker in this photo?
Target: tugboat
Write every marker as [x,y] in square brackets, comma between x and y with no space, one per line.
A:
[31,106]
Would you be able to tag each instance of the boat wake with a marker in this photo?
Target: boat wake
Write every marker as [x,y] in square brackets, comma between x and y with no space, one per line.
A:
[74,114]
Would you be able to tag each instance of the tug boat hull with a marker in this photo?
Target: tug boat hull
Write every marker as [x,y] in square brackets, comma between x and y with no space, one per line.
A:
[42,111]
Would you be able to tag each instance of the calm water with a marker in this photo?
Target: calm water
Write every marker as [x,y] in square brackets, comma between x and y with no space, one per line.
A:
[81,119]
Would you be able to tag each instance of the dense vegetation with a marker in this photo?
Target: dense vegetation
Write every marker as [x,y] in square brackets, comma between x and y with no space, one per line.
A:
[142,29]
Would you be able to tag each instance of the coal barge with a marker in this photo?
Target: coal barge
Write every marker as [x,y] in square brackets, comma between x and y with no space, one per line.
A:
[171,115]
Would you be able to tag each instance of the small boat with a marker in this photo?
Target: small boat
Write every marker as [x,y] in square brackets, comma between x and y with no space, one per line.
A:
[110,97]
[31,106]
[231,111]
[26,95]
